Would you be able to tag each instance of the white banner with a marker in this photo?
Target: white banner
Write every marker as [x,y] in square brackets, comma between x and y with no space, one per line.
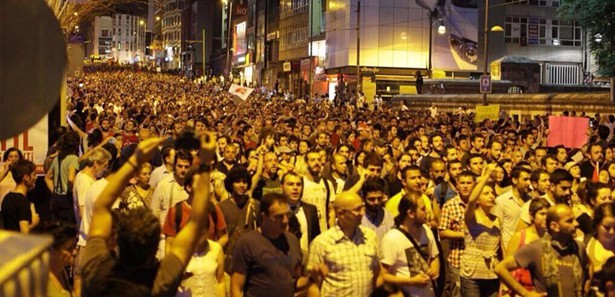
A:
[241,92]
[32,142]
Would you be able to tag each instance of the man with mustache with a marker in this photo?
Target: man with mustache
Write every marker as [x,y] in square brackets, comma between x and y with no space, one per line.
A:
[376,216]
[318,191]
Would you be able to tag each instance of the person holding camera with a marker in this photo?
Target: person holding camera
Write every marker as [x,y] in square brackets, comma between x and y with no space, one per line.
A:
[136,272]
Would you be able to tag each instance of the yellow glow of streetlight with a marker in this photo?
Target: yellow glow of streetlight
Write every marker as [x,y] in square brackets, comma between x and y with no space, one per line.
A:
[157,18]
[141,22]
[441,29]
[497,29]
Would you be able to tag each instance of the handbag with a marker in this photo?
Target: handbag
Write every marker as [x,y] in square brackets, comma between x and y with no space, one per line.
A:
[522,275]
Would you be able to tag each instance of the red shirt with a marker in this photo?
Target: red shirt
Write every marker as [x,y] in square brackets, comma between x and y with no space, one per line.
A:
[169,228]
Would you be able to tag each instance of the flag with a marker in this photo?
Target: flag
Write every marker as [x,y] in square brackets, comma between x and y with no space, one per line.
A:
[241,92]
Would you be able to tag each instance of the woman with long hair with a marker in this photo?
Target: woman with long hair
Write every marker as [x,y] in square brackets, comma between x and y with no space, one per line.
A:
[7,183]
[61,176]
[482,237]
[538,214]
[140,194]
[601,246]
[501,180]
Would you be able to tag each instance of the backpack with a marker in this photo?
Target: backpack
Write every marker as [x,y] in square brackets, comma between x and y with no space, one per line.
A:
[211,209]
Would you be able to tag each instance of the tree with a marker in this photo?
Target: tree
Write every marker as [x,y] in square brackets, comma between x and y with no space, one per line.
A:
[597,18]
[72,13]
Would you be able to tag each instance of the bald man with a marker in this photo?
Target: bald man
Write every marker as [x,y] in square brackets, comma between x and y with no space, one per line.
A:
[557,255]
[347,255]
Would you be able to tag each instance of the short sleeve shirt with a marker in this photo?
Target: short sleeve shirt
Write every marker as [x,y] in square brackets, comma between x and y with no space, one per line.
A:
[15,208]
[530,257]
[70,161]
[269,271]
[170,229]
[352,262]
[403,258]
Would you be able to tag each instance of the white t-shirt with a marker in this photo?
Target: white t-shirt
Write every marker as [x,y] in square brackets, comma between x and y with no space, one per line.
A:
[90,197]
[167,193]
[396,248]
[316,194]
[158,174]
[80,187]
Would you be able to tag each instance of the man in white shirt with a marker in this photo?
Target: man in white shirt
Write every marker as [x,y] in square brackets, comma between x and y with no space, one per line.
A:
[96,164]
[164,170]
[318,191]
[170,191]
[303,220]
[409,252]
[508,205]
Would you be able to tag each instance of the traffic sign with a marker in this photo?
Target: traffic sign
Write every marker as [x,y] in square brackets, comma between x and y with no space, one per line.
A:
[485,84]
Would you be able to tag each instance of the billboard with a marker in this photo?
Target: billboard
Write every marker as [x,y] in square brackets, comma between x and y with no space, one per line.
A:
[457,48]
[397,36]
[32,143]
[240,41]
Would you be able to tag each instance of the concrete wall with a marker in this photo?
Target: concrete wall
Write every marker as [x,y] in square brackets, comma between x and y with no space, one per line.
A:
[522,104]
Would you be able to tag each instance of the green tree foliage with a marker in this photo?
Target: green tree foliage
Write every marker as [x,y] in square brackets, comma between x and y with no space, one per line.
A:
[597,18]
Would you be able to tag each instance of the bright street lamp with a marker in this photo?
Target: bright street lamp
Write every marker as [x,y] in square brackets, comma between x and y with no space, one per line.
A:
[441,28]
[486,45]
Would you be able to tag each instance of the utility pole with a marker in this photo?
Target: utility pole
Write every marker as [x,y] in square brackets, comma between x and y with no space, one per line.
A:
[431,20]
[358,48]
[204,73]
[486,46]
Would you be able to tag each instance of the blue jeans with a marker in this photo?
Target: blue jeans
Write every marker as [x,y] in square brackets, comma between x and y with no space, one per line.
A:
[479,287]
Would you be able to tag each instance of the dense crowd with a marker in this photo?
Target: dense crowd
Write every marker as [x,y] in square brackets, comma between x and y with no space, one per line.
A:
[162,186]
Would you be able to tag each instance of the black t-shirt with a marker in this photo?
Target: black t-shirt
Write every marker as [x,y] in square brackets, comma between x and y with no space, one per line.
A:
[270,267]
[15,208]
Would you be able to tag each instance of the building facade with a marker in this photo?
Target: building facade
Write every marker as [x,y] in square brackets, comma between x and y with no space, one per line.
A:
[171,28]
[533,30]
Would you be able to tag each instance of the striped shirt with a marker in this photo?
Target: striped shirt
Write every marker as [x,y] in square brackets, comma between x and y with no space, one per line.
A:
[481,251]
[352,262]
[451,218]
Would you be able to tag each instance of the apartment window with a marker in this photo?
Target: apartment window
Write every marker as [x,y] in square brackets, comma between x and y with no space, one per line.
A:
[546,3]
[535,31]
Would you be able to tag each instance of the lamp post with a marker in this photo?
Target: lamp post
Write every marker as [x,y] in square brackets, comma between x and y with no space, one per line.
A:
[433,17]
[358,49]
[486,46]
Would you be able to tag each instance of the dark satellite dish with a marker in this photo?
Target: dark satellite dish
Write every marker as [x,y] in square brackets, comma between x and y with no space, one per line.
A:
[32,63]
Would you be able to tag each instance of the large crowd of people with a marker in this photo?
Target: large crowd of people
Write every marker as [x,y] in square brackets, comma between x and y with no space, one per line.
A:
[162,186]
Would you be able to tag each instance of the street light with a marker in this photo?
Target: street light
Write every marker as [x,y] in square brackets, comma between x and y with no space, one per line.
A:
[441,28]
[486,44]
[434,16]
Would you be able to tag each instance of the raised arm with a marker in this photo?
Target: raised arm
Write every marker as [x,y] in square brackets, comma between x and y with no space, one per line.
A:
[186,240]
[260,151]
[70,122]
[478,188]
[101,214]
